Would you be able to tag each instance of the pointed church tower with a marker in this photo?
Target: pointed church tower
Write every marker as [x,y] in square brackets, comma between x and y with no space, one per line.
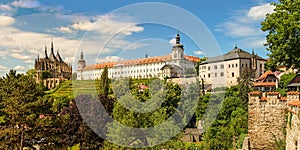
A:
[46,55]
[58,56]
[52,57]
[177,50]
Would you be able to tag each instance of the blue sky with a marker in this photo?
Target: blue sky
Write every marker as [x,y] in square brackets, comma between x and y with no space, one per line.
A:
[108,31]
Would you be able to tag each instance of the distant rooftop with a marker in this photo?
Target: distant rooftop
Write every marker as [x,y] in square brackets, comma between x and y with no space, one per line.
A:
[235,53]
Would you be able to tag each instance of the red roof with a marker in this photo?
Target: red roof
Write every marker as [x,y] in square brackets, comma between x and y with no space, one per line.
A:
[264,76]
[255,93]
[139,61]
[294,103]
[293,93]
[263,98]
[283,98]
[264,84]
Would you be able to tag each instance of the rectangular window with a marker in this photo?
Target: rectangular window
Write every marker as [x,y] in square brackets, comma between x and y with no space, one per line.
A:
[208,75]
[236,65]
[232,74]
[215,74]
[222,74]
[228,66]
[215,67]
[232,65]
[208,68]
[222,66]
[260,65]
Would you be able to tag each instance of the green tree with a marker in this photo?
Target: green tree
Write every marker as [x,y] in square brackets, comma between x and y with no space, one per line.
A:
[104,83]
[19,104]
[45,74]
[198,64]
[283,39]
[286,79]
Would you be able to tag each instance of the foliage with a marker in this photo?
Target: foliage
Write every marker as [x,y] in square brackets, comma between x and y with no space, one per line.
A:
[198,64]
[280,144]
[232,122]
[104,83]
[127,94]
[286,79]
[74,76]
[283,34]
[19,106]
[45,74]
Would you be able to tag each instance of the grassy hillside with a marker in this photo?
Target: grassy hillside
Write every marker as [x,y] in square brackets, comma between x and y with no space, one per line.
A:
[65,89]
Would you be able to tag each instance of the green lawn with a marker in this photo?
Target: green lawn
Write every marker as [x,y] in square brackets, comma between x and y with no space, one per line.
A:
[65,89]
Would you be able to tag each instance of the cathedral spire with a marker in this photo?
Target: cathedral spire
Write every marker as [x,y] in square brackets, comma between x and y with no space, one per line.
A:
[51,56]
[52,45]
[58,55]
[46,55]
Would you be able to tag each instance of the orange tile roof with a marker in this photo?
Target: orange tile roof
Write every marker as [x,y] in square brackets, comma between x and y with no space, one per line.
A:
[293,93]
[100,66]
[263,76]
[139,61]
[264,84]
[273,93]
[255,93]
[294,103]
[283,98]
[192,58]
[263,98]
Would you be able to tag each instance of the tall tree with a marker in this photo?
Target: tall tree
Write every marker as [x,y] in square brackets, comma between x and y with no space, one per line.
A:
[19,100]
[104,83]
[283,39]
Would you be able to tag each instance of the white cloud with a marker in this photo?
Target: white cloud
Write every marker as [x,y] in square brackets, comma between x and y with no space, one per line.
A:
[26,4]
[199,52]
[260,12]
[109,59]
[108,25]
[238,29]
[64,29]
[172,41]
[18,67]
[3,68]
[245,25]
[5,7]
[20,56]
[6,20]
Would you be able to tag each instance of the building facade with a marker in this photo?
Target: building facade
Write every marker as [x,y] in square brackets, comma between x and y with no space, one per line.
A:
[52,69]
[140,68]
[225,70]
[266,82]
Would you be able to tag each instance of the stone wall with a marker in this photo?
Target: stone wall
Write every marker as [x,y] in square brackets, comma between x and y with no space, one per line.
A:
[266,119]
[293,123]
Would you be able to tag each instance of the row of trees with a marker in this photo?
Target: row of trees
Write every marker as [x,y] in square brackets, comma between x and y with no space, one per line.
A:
[29,117]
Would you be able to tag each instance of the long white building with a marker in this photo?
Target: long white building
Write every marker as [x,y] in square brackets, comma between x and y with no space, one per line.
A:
[225,70]
[175,64]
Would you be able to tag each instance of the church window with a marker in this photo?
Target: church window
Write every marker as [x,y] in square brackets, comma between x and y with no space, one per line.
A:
[175,55]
